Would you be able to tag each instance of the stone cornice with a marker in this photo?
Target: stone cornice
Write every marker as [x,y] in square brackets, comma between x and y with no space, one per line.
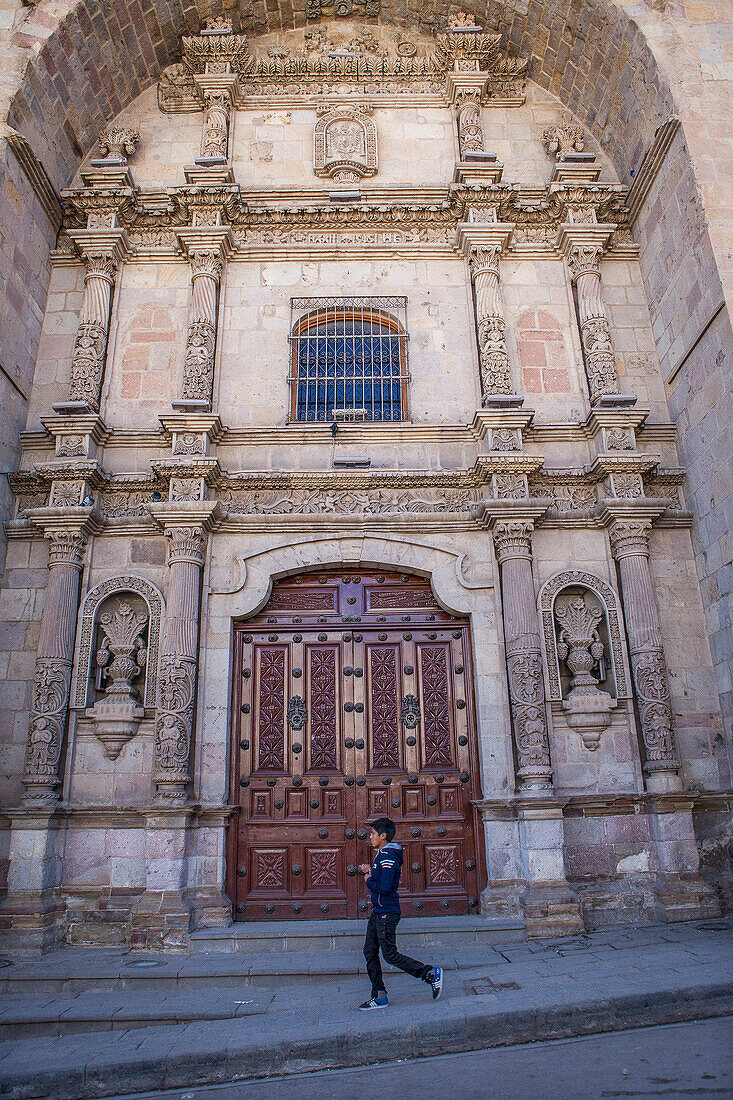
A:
[159,221]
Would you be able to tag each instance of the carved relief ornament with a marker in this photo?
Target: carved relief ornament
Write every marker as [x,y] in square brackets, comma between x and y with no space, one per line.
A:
[118,142]
[345,144]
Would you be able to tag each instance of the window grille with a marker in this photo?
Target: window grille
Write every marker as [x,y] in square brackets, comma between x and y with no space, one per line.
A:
[348,359]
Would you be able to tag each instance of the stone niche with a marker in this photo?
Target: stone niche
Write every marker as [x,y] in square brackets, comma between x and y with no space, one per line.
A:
[117,659]
[585,669]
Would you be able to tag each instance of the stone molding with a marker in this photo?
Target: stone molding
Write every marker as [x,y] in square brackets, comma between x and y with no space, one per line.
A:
[88,622]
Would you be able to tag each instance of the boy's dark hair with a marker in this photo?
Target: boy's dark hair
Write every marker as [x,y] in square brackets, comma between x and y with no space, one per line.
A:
[384,826]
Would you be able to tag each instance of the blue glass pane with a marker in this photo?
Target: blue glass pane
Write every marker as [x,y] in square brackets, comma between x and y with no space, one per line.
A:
[349,364]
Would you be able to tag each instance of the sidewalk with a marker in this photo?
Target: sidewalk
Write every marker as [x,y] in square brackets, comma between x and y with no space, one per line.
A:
[71,1026]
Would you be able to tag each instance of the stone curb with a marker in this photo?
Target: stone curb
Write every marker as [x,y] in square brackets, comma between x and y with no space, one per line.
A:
[160,1061]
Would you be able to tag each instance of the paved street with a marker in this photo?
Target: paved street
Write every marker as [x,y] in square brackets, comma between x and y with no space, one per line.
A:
[682,1060]
[78,1025]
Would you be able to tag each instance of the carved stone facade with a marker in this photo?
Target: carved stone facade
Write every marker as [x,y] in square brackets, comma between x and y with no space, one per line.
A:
[507,437]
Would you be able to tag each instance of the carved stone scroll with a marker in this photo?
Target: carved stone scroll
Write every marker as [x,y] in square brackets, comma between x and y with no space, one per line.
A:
[512,540]
[630,546]
[178,664]
[54,659]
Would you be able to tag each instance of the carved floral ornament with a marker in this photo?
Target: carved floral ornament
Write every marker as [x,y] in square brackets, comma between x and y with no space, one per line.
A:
[563,138]
[513,539]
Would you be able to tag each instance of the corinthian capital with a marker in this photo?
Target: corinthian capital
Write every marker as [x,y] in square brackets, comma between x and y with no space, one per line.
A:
[67,548]
[584,258]
[513,539]
[188,544]
[484,260]
[206,263]
[101,265]
[629,537]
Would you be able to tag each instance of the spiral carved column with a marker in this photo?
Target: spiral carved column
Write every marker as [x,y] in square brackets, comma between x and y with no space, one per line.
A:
[630,546]
[90,345]
[198,377]
[490,324]
[177,671]
[470,132]
[513,544]
[53,668]
[583,247]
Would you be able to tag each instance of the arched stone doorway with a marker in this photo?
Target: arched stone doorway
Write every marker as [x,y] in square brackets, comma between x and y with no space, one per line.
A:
[352,699]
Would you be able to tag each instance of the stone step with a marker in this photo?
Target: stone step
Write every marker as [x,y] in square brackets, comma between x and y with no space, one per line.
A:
[348,935]
[234,970]
[24,1016]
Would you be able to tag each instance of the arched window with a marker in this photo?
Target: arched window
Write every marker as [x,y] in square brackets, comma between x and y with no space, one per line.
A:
[348,360]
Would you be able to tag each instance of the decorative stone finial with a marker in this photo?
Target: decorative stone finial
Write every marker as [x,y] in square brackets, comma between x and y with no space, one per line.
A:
[563,139]
[119,144]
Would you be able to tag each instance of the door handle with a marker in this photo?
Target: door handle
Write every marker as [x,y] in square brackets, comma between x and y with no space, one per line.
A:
[351,870]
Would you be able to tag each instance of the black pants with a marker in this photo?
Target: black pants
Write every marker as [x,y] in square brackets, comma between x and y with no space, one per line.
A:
[381,932]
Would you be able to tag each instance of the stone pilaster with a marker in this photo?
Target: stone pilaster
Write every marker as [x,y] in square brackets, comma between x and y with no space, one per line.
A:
[630,546]
[482,244]
[513,545]
[55,654]
[102,252]
[206,248]
[583,245]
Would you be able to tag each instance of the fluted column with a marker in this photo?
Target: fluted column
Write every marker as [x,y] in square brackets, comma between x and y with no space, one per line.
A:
[630,546]
[54,662]
[513,544]
[177,670]
[583,247]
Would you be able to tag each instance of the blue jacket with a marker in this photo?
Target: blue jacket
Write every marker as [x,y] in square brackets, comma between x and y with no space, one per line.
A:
[384,878]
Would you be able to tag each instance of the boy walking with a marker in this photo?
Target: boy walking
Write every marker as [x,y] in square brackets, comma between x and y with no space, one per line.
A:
[382,879]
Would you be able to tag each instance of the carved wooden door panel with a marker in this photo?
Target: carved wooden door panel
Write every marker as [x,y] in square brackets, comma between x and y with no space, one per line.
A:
[352,700]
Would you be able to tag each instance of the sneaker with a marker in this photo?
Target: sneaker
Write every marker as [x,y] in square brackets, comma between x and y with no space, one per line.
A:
[375,1002]
[436,981]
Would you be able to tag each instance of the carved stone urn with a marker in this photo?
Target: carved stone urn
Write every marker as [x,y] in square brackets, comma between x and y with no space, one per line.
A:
[587,708]
[121,657]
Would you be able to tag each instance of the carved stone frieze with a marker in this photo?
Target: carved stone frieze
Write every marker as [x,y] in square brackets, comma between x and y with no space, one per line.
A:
[189,443]
[117,503]
[368,502]
[321,61]
[566,495]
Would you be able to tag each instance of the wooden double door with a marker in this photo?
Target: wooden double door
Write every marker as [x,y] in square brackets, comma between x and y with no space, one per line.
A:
[352,700]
